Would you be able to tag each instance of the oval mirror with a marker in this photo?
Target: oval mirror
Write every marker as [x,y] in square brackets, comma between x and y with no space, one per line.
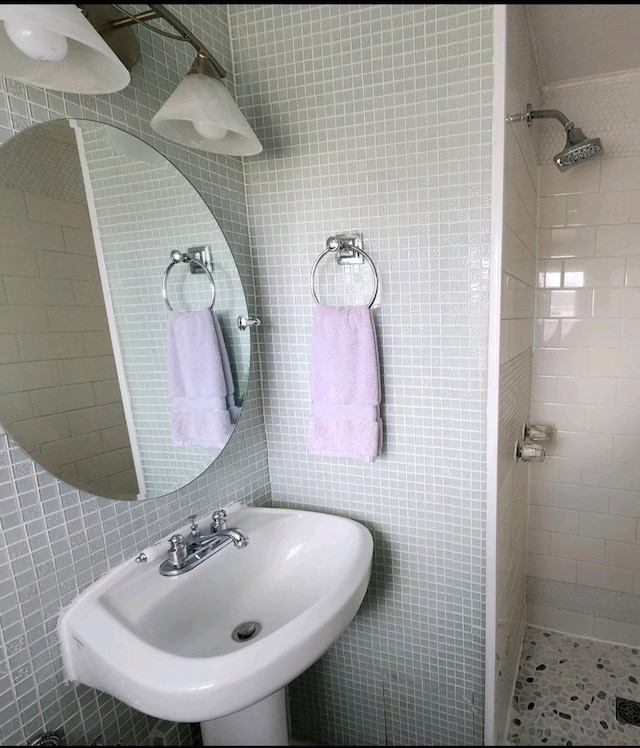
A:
[89,218]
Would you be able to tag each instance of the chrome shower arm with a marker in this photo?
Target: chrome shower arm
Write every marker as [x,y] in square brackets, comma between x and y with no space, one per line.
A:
[552,114]
[532,114]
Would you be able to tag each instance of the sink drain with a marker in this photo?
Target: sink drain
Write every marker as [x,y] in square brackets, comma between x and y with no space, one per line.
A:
[246,631]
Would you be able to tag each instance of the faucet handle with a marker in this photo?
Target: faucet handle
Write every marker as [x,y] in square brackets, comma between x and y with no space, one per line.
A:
[177,553]
[219,520]
[195,530]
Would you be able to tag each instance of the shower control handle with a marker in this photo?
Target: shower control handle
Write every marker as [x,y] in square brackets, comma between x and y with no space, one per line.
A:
[536,433]
[528,452]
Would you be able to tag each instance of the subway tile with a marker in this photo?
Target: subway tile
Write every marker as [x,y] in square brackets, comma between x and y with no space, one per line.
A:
[633,197]
[557,469]
[586,390]
[597,272]
[625,503]
[582,445]
[544,388]
[558,415]
[60,265]
[577,547]
[75,371]
[24,377]
[616,240]
[605,526]
[540,492]
[80,320]
[552,519]
[579,624]
[57,212]
[626,449]
[624,555]
[560,361]
[535,614]
[619,632]
[613,362]
[576,181]
[572,241]
[589,333]
[29,433]
[78,241]
[538,541]
[50,345]
[565,303]
[23,318]
[61,399]
[630,333]
[626,391]
[620,174]
[580,497]
[549,567]
[84,421]
[616,302]
[39,292]
[606,576]
[612,420]
[632,272]
[553,211]
[620,475]
[12,203]
[19,261]
[584,210]
[21,232]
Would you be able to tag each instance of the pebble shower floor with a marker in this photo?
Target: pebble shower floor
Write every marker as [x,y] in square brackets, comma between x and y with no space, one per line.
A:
[567,689]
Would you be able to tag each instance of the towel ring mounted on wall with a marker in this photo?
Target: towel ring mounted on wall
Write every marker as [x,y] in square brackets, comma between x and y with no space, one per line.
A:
[348,249]
[176,257]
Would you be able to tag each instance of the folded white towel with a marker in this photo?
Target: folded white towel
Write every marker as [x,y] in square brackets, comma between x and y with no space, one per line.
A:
[198,386]
[234,410]
[345,384]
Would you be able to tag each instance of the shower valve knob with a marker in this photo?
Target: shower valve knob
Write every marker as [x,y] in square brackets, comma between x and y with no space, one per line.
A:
[536,433]
[528,452]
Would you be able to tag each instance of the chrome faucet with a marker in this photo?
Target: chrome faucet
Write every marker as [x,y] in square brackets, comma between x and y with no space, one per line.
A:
[183,555]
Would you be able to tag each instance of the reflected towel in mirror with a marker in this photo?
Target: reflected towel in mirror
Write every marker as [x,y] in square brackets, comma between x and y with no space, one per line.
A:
[345,384]
[200,382]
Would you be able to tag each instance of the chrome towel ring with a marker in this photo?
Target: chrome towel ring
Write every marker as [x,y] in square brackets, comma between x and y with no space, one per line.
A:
[348,248]
[176,257]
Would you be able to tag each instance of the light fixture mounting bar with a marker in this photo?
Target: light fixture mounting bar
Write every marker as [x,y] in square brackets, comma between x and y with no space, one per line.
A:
[126,19]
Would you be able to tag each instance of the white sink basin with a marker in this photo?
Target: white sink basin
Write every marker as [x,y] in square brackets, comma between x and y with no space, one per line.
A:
[164,646]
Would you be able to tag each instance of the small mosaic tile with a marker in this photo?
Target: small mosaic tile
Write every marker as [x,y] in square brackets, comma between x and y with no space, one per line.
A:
[570,689]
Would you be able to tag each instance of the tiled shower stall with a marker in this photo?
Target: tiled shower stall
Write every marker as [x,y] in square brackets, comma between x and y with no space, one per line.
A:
[379,118]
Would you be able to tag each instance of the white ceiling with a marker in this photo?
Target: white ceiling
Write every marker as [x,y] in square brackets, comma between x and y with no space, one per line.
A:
[582,41]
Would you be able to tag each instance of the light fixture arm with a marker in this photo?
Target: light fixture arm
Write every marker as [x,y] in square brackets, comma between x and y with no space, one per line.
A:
[158,11]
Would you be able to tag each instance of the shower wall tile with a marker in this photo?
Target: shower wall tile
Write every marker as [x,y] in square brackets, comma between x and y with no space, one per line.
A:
[54,540]
[517,311]
[586,365]
[377,118]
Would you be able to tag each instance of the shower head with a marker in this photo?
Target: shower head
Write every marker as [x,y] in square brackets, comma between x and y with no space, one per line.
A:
[578,147]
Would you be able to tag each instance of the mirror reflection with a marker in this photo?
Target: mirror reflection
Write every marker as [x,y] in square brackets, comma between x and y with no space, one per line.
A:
[89,217]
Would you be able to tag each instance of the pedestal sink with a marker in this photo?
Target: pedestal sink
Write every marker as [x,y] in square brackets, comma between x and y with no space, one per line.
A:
[165,645]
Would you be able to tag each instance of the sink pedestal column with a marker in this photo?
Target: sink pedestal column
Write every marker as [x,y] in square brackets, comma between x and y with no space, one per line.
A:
[264,723]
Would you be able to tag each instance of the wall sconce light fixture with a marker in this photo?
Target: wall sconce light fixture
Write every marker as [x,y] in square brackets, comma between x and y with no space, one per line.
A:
[55,46]
[91,48]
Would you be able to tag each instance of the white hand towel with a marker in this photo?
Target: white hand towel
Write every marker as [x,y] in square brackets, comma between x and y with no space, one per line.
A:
[345,384]
[197,383]
[234,410]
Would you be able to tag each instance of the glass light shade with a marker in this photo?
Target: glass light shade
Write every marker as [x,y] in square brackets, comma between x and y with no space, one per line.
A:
[205,100]
[90,65]
[37,43]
